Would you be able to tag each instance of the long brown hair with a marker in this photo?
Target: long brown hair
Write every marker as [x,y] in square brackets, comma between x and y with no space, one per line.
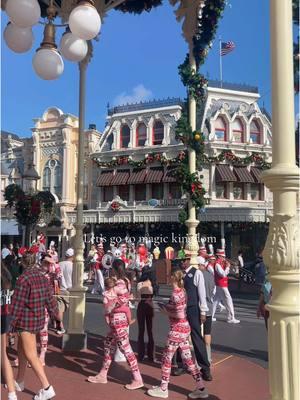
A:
[178,277]
[28,260]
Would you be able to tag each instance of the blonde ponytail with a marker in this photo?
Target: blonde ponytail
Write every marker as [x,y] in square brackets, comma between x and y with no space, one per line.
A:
[178,276]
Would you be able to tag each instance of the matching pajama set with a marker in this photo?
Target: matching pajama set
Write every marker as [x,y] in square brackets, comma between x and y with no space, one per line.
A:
[178,338]
[119,335]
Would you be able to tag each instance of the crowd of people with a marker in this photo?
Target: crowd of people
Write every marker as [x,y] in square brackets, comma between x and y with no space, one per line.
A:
[34,292]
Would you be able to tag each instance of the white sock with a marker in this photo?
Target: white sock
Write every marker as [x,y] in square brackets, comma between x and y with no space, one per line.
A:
[12,396]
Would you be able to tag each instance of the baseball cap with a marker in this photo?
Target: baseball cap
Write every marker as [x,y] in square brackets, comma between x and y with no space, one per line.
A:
[70,253]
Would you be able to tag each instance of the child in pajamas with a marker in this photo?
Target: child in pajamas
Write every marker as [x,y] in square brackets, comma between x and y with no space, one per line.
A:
[119,336]
[110,301]
[178,338]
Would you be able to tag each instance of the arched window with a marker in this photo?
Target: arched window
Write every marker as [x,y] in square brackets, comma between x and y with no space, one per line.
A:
[125,136]
[52,177]
[158,132]
[255,133]
[57,179]
[46,178]
[141,134]
[238,131]
[220,129]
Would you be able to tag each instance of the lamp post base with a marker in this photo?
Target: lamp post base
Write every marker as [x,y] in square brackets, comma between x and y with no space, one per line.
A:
[74,341]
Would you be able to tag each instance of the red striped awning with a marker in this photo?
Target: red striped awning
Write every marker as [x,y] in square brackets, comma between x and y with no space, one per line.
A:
[243,175]
[224,173]
[136,177]
[105,178]
[256,172]
[167,177]
[120,178]
[154,176]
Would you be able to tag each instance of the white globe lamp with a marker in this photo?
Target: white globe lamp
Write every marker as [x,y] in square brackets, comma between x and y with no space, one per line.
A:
[48,63]
[23,13]
[18,39]
[84,21]
[72,48]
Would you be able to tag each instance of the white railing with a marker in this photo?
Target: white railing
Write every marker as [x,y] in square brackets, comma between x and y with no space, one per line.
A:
[144,203]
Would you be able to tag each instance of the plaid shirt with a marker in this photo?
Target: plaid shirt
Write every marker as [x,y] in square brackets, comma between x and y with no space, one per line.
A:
[31,296]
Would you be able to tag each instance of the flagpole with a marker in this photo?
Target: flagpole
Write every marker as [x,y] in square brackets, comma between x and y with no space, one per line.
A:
[221,65]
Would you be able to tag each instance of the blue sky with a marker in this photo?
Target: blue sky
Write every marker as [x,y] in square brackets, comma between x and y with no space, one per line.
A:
[135,59]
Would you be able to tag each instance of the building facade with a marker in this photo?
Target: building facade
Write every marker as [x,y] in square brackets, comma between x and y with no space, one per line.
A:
[128,186]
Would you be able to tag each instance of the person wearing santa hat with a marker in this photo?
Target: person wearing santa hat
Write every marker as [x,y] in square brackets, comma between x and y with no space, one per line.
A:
[222,268]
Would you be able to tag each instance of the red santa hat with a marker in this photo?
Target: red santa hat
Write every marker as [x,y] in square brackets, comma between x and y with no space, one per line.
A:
[22,251]
[202,250]
[220,253]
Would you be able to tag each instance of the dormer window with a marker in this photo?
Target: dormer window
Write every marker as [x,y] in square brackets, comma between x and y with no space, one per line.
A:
[220,129]
[255,132]
[141,134]
[125,136]
[158,133]
[238,131]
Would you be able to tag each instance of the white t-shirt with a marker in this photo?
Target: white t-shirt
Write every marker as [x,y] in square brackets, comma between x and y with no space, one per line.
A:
[5,252]
[66,268]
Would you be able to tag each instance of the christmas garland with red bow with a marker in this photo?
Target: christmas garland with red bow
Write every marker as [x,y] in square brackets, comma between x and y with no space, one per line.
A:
[115,206]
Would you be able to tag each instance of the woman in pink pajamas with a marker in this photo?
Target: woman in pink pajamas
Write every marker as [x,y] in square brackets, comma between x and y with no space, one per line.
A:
[118,335]
[178,338]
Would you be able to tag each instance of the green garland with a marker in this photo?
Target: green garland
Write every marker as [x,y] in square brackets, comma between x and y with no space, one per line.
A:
[195,83]
[28,207]
[138,6]
[227,155]
[207,28]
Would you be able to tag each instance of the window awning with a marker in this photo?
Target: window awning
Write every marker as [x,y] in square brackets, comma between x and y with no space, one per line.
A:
[243,175]
[105,178]
[120,178]
[224,174]
[256,172]
[154,176]
[136,177]
[167,177]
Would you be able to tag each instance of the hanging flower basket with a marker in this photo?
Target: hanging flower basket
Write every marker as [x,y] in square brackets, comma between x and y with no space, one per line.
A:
[115,206]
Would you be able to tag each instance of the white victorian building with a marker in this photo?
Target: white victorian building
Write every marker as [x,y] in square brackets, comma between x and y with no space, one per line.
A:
[133,193]
[127,186]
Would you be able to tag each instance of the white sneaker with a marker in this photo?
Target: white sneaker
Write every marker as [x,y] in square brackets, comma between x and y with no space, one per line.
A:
[233,321]
[199,394]
[214,319]
[157,391]
[19,386]
[44,394]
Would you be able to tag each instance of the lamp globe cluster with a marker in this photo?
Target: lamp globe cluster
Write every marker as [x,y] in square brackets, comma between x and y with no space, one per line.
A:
[84,24]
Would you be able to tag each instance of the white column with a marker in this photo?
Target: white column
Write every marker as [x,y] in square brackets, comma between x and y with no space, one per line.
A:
[66,167]
[282,249]
[192,223]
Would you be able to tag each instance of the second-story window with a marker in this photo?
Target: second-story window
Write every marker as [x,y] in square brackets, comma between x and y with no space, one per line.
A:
[123,192]
[174,190]
[255,133]
[221,190]
[256,191]
[220,129]
[141,134]
[125,136]
[46,179]
[158,132]
[238,191]
[158,191]
[140,192]
[238,131]
[52,177]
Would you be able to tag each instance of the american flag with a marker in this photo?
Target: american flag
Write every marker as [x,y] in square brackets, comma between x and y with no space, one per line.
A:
[226,47]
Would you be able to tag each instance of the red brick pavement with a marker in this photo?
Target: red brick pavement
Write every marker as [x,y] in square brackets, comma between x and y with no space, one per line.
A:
[235,378]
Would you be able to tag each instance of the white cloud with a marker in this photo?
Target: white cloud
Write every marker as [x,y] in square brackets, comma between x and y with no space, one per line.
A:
[139,93]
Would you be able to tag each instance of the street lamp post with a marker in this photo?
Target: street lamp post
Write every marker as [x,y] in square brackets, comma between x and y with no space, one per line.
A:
[282,251]
[192,223]
[75,338]
[30,178]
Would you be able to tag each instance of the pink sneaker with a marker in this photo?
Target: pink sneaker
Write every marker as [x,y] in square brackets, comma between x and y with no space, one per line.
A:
[97,379]
[134,385]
